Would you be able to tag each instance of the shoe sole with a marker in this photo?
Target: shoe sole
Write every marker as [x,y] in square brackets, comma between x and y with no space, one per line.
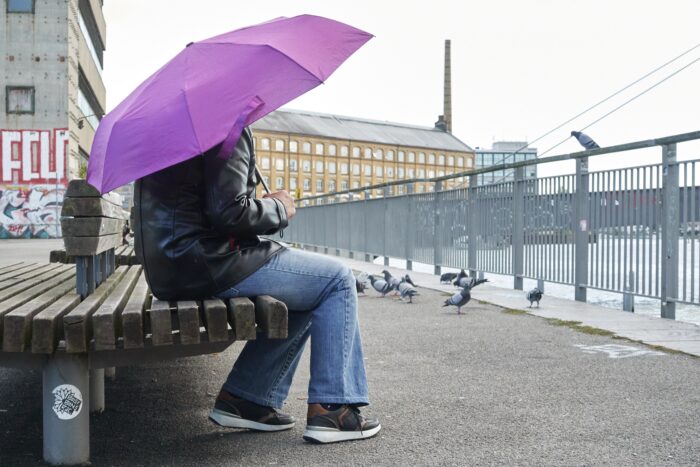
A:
[330,435]
[232,421]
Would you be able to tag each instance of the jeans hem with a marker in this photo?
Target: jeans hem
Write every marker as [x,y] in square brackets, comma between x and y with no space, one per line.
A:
[338,400]
[252,397]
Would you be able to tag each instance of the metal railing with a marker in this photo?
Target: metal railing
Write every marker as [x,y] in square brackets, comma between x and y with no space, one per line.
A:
[632,230]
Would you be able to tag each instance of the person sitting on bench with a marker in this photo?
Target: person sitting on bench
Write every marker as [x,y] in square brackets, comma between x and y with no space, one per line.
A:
[196,234]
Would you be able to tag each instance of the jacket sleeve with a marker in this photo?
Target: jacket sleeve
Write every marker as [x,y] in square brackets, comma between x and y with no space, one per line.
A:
[231,210]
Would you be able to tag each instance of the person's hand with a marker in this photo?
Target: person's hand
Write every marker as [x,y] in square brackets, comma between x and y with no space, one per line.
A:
[286,200]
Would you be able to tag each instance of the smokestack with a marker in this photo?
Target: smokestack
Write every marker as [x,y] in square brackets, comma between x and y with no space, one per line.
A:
[447,111]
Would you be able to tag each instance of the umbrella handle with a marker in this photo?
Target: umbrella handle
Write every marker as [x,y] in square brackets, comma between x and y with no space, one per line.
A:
[262,180]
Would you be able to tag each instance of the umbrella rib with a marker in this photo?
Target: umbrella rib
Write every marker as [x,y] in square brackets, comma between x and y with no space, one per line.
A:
[187,107]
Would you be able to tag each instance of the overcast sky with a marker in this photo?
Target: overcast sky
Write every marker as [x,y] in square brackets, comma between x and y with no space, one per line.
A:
[519,67]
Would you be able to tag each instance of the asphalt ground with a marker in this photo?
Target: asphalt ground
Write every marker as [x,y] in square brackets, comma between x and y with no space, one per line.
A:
[483,388]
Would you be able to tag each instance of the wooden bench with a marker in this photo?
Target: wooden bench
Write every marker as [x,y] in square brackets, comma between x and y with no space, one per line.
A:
[73,322]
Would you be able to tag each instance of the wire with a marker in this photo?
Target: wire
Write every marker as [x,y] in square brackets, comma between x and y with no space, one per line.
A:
[624,104]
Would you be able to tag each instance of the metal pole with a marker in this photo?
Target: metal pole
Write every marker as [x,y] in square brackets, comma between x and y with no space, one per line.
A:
[97,390]
[581,228]
[437,246]
[518,227]
[628,296]
[365,237]
[66,390]
[670,233]
[386,192]
[473,225]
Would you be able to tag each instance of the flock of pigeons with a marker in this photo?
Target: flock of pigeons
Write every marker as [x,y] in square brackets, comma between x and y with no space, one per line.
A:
[404,287]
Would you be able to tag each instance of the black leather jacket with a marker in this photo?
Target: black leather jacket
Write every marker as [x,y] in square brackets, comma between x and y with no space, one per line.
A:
[196,224]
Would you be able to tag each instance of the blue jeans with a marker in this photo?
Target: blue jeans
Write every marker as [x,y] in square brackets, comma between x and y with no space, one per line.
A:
[322,301]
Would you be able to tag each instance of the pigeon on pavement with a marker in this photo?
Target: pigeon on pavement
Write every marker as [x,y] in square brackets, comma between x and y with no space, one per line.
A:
[448,277]
[406,289]
[535,295]
[380,285]
[462,297]
[391,280]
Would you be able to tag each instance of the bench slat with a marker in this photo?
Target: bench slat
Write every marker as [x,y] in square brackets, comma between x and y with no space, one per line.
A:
[7,271]
[27,274]
[12,293]
[90,226]
[17,330]
[161,322]
[106,325]
[271,316]
[88,246]
[132,316]
[47,326]
[76,323]
[92,207]
[80,188]
[241,316]
[216,320]
[188,317]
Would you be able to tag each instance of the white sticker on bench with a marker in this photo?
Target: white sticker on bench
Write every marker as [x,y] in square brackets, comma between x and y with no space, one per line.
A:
[68,401]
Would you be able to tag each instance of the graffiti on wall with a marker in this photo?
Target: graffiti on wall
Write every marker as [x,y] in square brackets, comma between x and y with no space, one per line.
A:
[32,182]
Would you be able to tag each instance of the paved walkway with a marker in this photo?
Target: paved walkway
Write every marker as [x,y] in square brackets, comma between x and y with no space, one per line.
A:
[674,335]
[489,387]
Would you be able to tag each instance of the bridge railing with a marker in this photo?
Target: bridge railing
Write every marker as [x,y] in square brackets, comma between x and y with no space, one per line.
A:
[633,230]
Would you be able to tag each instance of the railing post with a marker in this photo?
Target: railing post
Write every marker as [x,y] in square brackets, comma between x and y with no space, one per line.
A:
[581,228]
[518,235]
[365,237]
[669,233]
[387,228]
[473,227]
[437,244]
[410,232]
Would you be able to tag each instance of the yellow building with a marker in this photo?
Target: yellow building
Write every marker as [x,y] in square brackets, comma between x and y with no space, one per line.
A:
[310,153]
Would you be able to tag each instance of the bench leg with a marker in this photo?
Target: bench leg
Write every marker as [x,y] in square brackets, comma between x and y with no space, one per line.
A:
[97,390]
[66,419]
[111,373]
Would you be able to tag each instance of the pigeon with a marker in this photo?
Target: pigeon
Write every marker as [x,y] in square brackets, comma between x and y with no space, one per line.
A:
[360,286]
[380,285]
[535,295]
[462,274]
[585,140]
[406,289]
[391,280]
[462,297]
[448,277]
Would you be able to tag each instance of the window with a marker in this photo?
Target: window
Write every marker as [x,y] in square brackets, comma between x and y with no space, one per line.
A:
[411,157]
[19,99]
[20,6]
[356,169]
[441,173]
[265,163]
[378,171]
[431,158]
[344,151]
[368,153]
[431,173]
[267,180]
[319,149]
[460,162]
[390,155]
[292,165]
[355,152]
[306,166]
[293,183]
[331,149]
[344,185]
[319,167]
[470,163]
[399,172]
[293,146]
[279,145]
[421,158]
[389,171]
[306,148]
[343,169]
[421,188]
[307,184]
[331,167]
[411,173]
[441,159]
[451,161]
[399,189]
[331,185]
[378,154]
[368,170]
[265,144]
[421,173]
[401,156]
[279,183]
[319,186]
[89,113]
[356,184]
[279,164]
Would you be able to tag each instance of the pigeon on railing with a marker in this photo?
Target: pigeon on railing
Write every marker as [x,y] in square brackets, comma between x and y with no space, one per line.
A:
[448,277]
[535,295]
[585,140]
[406,289]
[462,297]
[380,285]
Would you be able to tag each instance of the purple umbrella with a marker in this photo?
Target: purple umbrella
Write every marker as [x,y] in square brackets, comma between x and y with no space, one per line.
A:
[211,90]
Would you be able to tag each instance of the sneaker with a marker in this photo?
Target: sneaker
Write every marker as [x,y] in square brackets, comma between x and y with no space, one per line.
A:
[343,424]
[233,412]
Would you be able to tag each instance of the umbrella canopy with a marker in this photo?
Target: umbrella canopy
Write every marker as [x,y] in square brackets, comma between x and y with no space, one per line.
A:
[211,90]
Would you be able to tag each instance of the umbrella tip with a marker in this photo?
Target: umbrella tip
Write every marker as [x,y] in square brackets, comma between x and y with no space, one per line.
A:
[189,44]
